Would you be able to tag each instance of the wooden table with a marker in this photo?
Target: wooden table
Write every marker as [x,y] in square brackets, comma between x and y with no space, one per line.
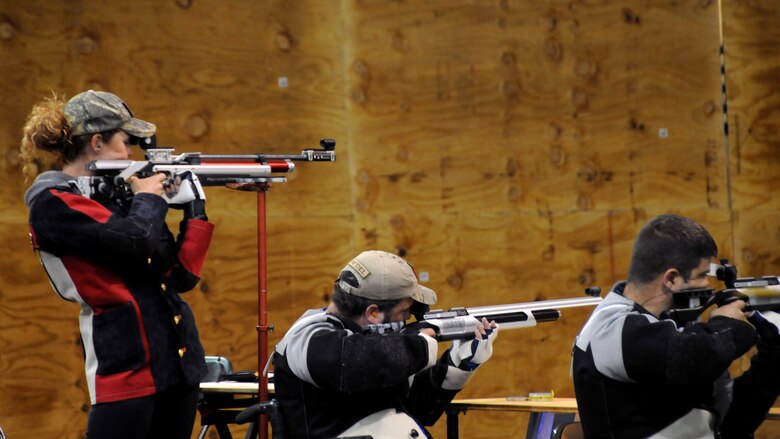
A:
[555,405]
[511,404]
[233,387]
[222,401]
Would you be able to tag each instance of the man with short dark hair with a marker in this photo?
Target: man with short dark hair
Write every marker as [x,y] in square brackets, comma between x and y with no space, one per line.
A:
[335,377]
[638,375]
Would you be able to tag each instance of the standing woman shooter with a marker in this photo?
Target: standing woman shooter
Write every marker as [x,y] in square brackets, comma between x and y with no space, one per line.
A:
[119,261]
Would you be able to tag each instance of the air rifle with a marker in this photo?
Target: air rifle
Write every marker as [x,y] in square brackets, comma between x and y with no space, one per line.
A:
[109,177]
[760,294]
[459,323]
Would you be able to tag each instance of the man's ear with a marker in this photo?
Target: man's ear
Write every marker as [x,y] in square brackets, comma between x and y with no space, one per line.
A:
[670,277]
[371,314]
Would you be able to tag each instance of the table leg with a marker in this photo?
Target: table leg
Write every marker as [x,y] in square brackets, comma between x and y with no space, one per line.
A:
[452,423]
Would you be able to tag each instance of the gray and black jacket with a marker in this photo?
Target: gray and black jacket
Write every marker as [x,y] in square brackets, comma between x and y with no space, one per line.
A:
[639,377]
[328,375]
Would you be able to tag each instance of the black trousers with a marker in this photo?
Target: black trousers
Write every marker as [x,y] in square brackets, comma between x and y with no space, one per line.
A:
[166,415]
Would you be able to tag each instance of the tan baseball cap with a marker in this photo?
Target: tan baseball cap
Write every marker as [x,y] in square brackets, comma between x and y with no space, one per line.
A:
[94,112]
[385,276]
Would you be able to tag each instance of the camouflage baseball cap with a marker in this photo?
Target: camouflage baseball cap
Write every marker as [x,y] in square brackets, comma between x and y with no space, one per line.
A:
[385,276]
[94,112]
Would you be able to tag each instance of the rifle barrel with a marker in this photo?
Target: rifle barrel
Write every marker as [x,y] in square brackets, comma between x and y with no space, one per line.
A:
[497,310]
[306,156]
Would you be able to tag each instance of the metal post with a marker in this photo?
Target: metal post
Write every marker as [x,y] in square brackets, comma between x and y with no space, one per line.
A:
[262,295]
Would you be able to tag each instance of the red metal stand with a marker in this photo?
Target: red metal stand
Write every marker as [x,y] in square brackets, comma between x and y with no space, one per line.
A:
[261,187]
[262,316]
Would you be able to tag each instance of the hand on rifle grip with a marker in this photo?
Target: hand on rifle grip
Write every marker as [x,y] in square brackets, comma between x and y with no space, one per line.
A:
[185,192]
[469,354]
[151,185]
[421,327]
[733,309]
[767,324]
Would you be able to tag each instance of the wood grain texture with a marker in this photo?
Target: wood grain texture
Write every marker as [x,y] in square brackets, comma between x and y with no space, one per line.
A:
[510,150]
[753,76]
[752,65]
[750,33]
[576,131]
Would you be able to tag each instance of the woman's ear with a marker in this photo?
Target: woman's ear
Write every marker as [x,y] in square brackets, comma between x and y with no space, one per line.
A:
[95,143]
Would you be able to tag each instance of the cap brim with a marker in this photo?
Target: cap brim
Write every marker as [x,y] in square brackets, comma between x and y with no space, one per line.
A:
[139,128]
[424,295]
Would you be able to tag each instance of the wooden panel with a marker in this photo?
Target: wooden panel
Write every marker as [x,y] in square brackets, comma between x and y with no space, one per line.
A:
[758,237]
[534,106]
[510,150]
[750,32]
[750,35]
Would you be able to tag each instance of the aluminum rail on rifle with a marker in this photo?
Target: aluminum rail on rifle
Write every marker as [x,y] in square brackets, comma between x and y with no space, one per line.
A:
[109,177]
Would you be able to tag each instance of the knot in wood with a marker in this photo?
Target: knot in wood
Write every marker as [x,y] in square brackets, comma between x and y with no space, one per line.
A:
[7,30]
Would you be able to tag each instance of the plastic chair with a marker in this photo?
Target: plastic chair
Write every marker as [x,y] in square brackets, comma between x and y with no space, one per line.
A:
[216,368]
[541,424]
[251,413]
[568,430]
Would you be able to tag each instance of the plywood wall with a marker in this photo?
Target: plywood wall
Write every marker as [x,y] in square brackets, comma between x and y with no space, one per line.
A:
[509,149]
[752,63]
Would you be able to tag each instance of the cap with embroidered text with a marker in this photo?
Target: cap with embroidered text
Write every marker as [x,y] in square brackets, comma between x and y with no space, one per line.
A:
[385,276]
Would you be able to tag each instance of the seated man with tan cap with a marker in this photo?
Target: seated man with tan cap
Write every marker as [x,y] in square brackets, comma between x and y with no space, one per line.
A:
[334,377]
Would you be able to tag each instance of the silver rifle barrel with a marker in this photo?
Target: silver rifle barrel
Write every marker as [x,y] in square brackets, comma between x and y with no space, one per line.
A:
[498,310]
[308,155]
[243,170]
[109,165]
[770,282]
[762,294]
